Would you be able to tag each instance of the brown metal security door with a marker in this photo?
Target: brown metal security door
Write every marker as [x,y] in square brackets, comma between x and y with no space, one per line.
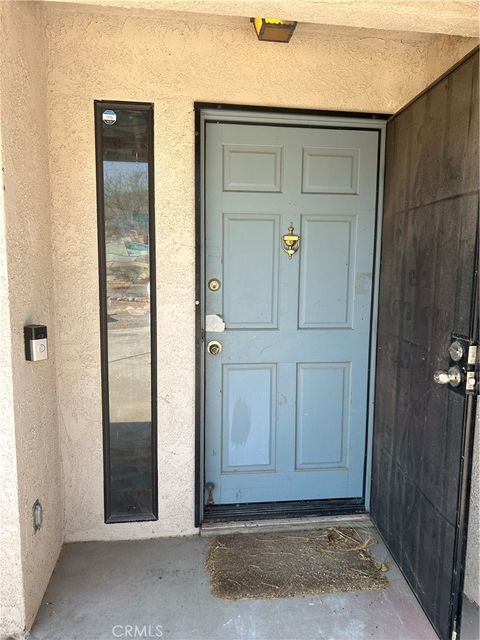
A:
[422,433]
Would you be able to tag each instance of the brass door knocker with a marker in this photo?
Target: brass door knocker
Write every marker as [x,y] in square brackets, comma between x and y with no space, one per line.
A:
[290,242]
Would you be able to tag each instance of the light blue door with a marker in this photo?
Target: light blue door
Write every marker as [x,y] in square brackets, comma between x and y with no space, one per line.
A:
[286,397]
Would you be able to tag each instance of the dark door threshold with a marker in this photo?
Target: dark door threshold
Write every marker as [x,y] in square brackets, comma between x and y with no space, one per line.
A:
[290,509]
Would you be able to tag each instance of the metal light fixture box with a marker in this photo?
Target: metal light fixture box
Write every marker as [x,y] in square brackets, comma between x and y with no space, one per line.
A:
[273,29]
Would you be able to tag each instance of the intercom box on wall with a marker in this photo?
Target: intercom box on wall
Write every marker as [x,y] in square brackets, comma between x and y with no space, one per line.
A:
[36,347]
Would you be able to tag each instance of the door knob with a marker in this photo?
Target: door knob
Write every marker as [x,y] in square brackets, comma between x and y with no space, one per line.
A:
[441,377]
[454,376]
[214,347]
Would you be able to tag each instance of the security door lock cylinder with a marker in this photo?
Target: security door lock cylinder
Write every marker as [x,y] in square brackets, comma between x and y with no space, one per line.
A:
[456,351]
[36,347]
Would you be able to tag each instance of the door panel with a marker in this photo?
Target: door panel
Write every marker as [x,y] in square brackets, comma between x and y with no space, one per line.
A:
[247,306]
[249,417]
[426,293]
[323,392]
[328,247]
[252,168]
[286,397]
[330,170]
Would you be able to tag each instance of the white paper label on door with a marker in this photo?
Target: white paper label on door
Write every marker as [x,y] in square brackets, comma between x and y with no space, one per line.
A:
[214,323]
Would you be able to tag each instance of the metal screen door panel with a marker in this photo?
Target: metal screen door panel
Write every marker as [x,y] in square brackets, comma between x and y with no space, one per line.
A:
[426,293]
[286,396]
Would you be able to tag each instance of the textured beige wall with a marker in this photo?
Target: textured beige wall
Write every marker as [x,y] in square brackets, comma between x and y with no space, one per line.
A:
[443,52]
[172,60]
[11,578]
[427,16]
[26,277]
[472,572]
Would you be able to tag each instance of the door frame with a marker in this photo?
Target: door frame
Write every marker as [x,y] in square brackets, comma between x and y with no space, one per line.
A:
[274,116]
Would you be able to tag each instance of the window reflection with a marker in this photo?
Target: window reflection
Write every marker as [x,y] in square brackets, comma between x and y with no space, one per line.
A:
[125,152]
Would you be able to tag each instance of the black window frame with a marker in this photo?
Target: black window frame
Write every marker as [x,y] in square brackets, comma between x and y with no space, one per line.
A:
[99,107]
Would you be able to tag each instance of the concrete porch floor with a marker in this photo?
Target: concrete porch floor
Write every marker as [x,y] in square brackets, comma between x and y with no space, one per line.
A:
[99,588]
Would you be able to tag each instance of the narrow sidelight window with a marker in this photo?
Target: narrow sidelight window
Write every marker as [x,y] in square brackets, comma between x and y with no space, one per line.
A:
[124,151]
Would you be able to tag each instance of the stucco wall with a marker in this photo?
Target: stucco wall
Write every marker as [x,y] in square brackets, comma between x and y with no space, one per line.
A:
[28,394]
[443,52]
[172,60]
[436,16]
[11,578]
[472,572]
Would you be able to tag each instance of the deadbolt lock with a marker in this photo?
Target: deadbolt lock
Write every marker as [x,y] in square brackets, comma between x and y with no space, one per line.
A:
[214,347]
[456,351]
[214,284]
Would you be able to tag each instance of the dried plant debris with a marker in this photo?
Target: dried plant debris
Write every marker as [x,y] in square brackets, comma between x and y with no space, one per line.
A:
[280,565]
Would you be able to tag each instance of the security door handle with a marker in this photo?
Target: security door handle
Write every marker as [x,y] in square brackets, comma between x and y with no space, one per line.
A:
[454,376]
[441,377]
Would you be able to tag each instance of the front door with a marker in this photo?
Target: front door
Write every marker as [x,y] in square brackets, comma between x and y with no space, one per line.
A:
[287,361]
